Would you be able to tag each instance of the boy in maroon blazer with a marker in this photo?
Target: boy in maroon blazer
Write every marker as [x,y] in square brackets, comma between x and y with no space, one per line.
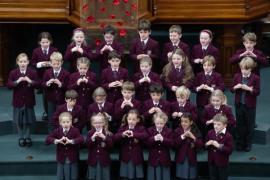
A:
[175,34]
[55,81]
[155,104]
[78,118]
[144,79]
[108,45]
[249,41]
[145,46]
[219,143]
[112,78]
[246,86]
[67,140]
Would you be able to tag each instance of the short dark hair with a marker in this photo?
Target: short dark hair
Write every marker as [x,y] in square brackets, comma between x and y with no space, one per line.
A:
[144,25]
[71,94]
[109,30]
[156,88]
[113,54]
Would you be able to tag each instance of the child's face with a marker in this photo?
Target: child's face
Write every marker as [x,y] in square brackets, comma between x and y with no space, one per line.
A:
[208,67]
[115,63]
[132,120]
[216,101]
[186,123]
[181,99]
[108,38]
[159,123]
[219,126]
[98,122]
[177,60]
[175,37]
[145,67]
[56,65]
[71,102]
[205,39]
[127,94]
[23,63]
[45,43]
[245,71]
[100,99]
[78,37]
[82,68]
[155,96]
[65,122]
[144,34]
[249,45]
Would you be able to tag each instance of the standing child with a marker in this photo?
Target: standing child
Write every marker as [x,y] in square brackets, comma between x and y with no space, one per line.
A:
[99,142]
[144,46]
[23,81]
[175,34]
[204,48]
[108,45]
[159,142]
[77,48]
[131,136]
[55,81]
[187,142]
[219,143]
[112,78]
[246,86]
[144,79]
[67,140]
[249,41]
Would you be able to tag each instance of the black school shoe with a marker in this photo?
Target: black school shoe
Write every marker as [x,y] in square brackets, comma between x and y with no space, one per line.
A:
[28,142]
[247,148]
[22,142]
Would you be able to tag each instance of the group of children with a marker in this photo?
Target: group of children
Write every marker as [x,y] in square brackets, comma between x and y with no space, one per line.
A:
[131,112]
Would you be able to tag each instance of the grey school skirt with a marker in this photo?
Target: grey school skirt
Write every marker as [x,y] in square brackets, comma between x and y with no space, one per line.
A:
[67,171]
[186,170]
[98,172]
[158,173]
[24,115]
[131,171]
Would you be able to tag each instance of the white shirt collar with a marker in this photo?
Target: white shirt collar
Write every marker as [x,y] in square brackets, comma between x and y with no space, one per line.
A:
[182,105]
[223,131]
[101,105]
[115,69]
[54,71]
[66,129]
[246,76]
[155,103]
[210,73]
[205,47]
[69,109]
[145,41]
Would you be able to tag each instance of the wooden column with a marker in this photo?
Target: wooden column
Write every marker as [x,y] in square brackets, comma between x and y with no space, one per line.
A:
[4,51]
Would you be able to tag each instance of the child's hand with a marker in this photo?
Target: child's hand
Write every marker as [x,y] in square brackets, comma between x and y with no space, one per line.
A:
[113,84]
[69,141]
[244,54]
[79,81]
[209,122]
[189,134]
[206,87]
[250,53]
[216,144]
[174,88]
[93,137]
[142,80]
[120,83]
[58,82]
[147,79]
[80,50]
[48,83]
[174,114]
[200,87]
[247,88]
[208,143]
[20,79]
[197,61]
[140,56]
[238,86]
[26,78]
[74,49]
[101,135]
[109,47]
[169,54]
[152,110]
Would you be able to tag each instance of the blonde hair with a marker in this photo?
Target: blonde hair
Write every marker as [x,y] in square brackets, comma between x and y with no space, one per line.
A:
[65,115]
[146,60]
[182,91]
[160,115]
[220,118]
[250,37]
[83,60]
[56,56]
[209,59]
[128,86]
[105,120]
[175,28]
[21,55]
[99,92]
[220,94]
[247,63]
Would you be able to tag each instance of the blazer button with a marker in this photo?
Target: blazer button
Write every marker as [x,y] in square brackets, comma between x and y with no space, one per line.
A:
[159,144]
[97,151]
[159,152]
[129,147]
[215,150]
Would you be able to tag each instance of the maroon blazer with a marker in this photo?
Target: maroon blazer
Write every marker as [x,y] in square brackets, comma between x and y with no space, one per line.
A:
[23,93]
[250,97]
[84,90]
[73,56]
[159,152]
[131,148]
[78,119]
[186,147]
[215,81]
[210,112]
[54,93]
[261,59]
[94,109]
[103,58]
[99,150]
[151,48]
[188,108]
[107,77]
[219,157]
[70,151]
[142,90]
[39,56]
[119,112]
[168,47]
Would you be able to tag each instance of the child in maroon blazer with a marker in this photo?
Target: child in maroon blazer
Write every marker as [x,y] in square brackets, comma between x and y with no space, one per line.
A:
[101,105]
[99,142]
[23,82]
[78,118]
[108,45]
[67,140]
[219,143]
[144,79]
[176,73]
[204,48]
[144,46]
[112,78]
[175,34]
[84,82]
[182,105]
[77,48]
[246,86]
[249,41]
[155,104]
[217,106]
[54,83]
[131,136]
[187,141]
[159,142]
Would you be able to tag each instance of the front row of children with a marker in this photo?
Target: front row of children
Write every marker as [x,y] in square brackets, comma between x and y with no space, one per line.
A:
[132,136]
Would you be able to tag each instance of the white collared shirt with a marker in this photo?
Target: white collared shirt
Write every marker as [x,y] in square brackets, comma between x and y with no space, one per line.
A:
[205,47]
[210,73]
[145,41]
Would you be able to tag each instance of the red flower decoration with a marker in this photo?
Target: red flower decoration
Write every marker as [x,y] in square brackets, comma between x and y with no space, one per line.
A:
[102,25]
[122,32]
[116,2]
[98,42]
[125,1]
[85,7]
[119,23]
[90,19]
[128,13]
[112,16]
[102,9]
[134,6]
